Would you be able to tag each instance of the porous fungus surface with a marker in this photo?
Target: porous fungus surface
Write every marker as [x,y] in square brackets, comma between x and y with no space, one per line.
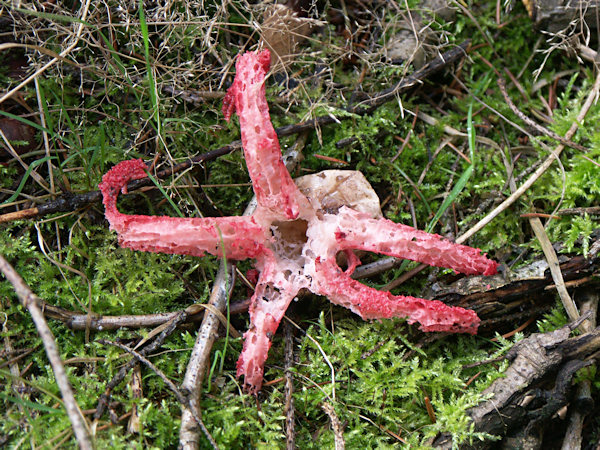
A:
[294,237]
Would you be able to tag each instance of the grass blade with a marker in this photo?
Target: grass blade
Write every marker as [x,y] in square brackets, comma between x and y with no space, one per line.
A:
[462,181]
[32,166]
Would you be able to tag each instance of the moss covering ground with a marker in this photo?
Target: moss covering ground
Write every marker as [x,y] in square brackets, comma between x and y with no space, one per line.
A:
[107,102]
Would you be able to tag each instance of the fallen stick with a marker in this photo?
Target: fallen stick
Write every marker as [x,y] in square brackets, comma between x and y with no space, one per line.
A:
[194,374]
[122,373]
[83,321]
[32,303]
[591,98]
[509,405]
[178,394]
[71,202]
[336,426]
[573,434]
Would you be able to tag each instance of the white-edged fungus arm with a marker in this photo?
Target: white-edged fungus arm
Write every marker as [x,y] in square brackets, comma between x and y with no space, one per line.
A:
[240,237]
[370,303]
[358,231]
[271,181]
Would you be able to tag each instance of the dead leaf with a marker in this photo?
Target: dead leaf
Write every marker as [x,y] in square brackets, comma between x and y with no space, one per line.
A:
[282,31]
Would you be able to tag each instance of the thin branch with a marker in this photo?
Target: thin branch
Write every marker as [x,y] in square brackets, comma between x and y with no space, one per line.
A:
[449,57]
[289,387]
[573,434]
[404,277]
[592,210]
[80,321]
[591,98]
[180,397]
[32,303]
[536,126]
[336,426]
[122,373]
[194,374]
[71,202]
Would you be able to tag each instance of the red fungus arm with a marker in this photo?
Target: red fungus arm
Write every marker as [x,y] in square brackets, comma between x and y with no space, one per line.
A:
[271,181]
[267,307]
[241,237]
[369,303]
[357,230]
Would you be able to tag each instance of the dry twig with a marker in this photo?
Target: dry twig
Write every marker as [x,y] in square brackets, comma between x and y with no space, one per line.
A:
[573,435]
[81,321]
[591,98]
[532,360]
[32,303]
[536,126]
[289,387]
[336,426]
[180,397]
[120,376]
[197,366]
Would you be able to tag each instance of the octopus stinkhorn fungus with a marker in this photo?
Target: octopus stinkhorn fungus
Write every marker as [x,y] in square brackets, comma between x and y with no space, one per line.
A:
[294,237]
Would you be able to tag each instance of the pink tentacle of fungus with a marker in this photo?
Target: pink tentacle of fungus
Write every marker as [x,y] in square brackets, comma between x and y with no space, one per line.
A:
[394,239]
[370,303]
[272,183]
[268,305]
[240,236]
[293,239]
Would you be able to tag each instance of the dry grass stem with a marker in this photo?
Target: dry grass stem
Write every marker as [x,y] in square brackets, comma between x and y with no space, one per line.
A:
[554,266]
[62,55]
[591,98]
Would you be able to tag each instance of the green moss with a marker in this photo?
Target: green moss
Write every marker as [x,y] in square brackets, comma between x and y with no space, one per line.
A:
[102,113]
